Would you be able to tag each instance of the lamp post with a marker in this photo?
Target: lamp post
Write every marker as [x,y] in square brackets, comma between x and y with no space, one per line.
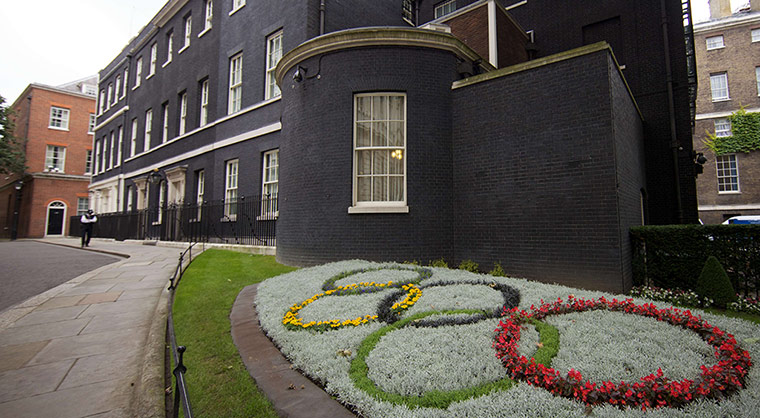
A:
[16,210]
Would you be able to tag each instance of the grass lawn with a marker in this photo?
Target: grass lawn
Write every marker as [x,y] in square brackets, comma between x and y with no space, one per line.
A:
[218,382]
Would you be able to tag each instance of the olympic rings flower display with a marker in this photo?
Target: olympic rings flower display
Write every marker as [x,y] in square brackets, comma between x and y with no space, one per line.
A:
[652,391]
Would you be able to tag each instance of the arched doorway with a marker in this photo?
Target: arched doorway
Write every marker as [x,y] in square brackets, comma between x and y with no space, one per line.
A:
[56,213]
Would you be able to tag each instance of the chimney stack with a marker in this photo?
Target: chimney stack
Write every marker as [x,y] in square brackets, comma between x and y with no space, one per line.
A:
[722,8]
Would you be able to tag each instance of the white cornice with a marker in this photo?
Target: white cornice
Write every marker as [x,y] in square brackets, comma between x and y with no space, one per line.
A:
[725,114]
[111,118]
[727,22]
[167,12]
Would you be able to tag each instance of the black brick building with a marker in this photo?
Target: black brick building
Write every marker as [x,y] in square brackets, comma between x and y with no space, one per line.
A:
[501,131]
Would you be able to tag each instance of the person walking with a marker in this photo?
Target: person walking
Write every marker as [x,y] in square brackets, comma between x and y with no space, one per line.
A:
[87,221]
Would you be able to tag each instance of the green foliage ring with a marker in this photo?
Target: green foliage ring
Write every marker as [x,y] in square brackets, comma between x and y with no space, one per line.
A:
[548,336]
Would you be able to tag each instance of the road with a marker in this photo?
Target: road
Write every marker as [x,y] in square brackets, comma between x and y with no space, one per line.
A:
[28,268]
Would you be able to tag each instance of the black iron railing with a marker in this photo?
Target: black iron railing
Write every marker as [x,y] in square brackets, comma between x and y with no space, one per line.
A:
[248,220]
[180,393]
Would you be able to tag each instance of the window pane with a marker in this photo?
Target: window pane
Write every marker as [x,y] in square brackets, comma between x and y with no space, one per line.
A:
[396,188]
[396,108]
[380,162]
[364,189]
[396,134]
[363,106]
[396,162]
[379,108]
[362,134]
[379,134]
[379,188]
[364,162]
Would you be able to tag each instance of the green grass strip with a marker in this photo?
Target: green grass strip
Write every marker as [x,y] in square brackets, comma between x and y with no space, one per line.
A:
[218,382]
[439,399]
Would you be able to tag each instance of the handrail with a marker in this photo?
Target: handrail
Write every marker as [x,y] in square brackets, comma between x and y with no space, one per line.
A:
[180,393]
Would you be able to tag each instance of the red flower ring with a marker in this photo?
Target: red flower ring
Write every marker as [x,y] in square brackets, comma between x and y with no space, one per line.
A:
[653,391]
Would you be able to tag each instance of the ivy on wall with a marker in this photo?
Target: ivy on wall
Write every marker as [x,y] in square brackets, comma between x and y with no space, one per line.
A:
[745,128]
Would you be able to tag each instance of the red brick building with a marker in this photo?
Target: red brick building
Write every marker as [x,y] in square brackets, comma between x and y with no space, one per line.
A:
[58,123]
[728,65]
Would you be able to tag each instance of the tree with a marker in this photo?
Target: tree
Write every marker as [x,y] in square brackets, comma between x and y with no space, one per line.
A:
[12,153]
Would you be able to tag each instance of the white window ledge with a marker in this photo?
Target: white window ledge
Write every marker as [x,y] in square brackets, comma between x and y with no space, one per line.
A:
[268,217]
[183,48]
[156,223]
[203,32]
[235,10]
[229,218]
[716,48]
[737,192]
[166,63]
[135,87]
[149,76]
[378,209]
[721,100]
[58,129]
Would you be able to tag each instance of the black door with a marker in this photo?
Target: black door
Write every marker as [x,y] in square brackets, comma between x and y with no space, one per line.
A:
[55,221]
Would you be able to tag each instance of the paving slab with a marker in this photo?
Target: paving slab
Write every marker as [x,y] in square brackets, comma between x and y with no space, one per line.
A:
[30,381]
[87,348]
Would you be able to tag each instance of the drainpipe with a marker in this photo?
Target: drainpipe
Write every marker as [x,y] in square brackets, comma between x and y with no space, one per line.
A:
[322,17]
[671,110]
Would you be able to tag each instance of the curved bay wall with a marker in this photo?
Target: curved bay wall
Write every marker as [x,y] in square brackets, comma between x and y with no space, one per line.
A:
[316,157]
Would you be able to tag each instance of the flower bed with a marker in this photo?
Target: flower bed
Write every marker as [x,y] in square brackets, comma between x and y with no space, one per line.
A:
[715,382]
[385,366]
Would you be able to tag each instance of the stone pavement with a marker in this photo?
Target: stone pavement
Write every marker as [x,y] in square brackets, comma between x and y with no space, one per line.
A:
[93,346]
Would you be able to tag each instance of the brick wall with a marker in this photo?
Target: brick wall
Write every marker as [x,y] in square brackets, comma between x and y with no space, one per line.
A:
[544,181]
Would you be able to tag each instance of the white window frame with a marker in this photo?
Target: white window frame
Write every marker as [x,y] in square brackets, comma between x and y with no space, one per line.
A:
[755,35]
[208,17]
[270,183]
[200,191]
[153,60]
[116,89]
[55,159]
[407,11]
[445,8]
[235,99]
[59,118]
[188,32]
[110,96]
[714,42]
[138,72]
[101,101]
[165,123]
[91,124]
[169,48]
[97,158]
[88,162]
[727,170]
[111,144]
[382,205]
[722,127]
[130,199]
[274,54]
[203,117]
[133,139]
[236,5]
[118,147]
[83,204]
[719,87]
[757,79]
[148,128]
[103,155]
[126,83]
[231,189]
[182,113]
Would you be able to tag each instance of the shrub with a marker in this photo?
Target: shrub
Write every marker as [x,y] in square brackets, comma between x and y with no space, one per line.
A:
[715,284]
[469,265]
[498,271]
[439,263]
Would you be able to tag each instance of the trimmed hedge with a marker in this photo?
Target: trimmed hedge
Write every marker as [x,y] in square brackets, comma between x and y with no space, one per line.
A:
[714,283]
[672,256]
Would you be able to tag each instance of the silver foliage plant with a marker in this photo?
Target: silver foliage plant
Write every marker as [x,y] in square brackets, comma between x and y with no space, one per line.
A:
[602,345]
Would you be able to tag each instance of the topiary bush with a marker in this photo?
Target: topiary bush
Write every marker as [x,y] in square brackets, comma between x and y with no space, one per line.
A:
[498,271]
[714,283]
[439,263]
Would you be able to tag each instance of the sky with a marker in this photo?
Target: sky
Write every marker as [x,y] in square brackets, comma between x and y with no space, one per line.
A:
[53,42]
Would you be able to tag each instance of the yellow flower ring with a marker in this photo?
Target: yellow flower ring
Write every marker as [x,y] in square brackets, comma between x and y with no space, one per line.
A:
[293,321]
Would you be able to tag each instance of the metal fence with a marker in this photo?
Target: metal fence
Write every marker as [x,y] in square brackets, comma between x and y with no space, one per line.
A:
[248,220]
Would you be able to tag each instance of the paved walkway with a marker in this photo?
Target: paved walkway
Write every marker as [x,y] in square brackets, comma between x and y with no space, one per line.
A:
[93,346]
